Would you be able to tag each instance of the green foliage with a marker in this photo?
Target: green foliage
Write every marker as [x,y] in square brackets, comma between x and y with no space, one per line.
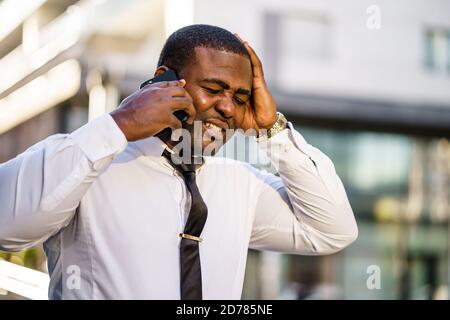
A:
[31,258]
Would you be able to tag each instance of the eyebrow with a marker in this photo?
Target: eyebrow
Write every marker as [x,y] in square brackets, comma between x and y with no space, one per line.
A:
[226,86]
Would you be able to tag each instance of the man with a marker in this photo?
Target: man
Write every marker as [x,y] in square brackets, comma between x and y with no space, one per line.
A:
[113,208]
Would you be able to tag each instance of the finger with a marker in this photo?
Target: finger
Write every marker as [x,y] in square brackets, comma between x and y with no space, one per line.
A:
[176,92]
[174,123]
[239,37]
[256,62]
[174,83]
[185,104]
[254,59]
[193,112]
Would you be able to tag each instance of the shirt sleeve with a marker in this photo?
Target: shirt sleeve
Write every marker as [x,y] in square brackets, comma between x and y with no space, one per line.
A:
[305,210]
[41,188]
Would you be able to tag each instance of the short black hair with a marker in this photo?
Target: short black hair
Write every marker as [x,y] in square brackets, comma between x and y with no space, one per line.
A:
[178,51]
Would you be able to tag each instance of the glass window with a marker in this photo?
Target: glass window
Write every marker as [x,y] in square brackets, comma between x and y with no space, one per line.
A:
[399,188]
[437,50]
[370,164]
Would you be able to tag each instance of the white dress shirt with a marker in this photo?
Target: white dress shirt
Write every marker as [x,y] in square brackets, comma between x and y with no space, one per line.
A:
[110,212]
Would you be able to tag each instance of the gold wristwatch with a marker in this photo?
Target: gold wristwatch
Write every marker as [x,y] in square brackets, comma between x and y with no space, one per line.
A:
[279,125]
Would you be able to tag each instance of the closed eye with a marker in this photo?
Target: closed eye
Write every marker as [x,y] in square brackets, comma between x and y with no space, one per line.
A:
[239,101]
[217,91]
[212,91]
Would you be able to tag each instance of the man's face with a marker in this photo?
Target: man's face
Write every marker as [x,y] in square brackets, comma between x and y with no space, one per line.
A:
[220,84]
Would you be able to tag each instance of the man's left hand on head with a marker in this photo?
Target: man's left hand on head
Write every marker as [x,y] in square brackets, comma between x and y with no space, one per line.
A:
[261,109]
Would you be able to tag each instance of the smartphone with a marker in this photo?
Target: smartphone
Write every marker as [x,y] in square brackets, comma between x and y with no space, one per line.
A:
[169,75]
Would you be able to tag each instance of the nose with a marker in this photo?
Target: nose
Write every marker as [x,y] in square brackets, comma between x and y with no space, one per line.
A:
[225,107]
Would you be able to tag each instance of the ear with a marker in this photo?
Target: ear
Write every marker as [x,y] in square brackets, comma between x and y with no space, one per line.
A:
[161,70]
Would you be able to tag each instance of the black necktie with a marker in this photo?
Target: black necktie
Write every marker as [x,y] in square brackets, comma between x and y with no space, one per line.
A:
[190,269]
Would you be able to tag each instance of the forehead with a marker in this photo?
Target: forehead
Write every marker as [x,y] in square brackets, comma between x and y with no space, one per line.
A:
[232,68]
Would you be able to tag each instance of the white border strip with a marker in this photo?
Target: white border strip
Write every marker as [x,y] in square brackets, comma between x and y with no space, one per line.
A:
[23,281]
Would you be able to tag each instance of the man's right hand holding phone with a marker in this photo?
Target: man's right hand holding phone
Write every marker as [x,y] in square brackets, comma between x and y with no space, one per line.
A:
[149,110]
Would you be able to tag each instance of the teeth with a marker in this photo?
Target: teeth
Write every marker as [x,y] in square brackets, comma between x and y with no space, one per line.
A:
[209,125]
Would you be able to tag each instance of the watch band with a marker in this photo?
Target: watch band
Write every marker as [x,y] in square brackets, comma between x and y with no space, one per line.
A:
[279,125]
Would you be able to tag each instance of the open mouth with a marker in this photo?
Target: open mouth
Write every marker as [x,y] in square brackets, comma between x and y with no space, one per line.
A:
[213,131]
[212,126]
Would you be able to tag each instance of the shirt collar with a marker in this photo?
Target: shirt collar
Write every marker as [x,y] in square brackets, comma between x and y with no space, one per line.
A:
[152,146]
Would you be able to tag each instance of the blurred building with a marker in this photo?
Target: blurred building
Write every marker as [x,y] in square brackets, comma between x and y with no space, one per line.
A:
[366,82]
